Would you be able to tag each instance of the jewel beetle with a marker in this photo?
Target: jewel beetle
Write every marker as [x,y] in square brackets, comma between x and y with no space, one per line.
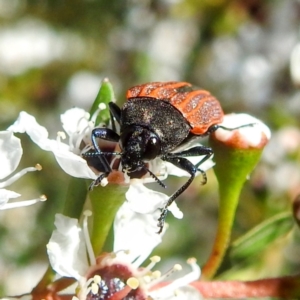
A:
[157,119]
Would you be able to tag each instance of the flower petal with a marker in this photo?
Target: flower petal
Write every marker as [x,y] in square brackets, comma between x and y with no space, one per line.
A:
[71,163]
[27,123]
[66,248]
[74,120]
[136,233]
[10,153]
[143,200]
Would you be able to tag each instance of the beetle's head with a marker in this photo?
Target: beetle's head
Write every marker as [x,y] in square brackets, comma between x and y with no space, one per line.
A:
[138,145]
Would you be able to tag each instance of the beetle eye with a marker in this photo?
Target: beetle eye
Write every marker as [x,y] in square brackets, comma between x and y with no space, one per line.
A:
[153,147]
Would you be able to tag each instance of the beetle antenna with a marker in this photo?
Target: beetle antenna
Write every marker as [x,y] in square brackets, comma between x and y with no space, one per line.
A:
[155,177]
[238,127]
[97,154]
[213,128]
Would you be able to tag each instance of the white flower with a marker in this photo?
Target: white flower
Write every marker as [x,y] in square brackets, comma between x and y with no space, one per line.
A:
[10,156]
[67,252]
[136,233]
[76,124]
[116,274]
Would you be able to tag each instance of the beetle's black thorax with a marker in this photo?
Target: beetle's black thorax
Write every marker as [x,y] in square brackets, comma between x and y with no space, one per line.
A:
[158,116]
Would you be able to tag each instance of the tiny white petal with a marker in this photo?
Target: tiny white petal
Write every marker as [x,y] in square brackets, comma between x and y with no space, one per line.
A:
[66,248]
[10,153]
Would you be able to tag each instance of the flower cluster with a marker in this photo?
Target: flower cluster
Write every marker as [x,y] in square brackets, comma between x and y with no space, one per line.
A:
[116,275]
[135,225]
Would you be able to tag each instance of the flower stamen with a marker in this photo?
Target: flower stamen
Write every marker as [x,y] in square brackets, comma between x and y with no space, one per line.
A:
[95,288]
[176,267]
[18,175]
[153,261]
[80,134]
[87,239]
[60,136]
[180,282]
[24,203]
[101,106]
[133,283]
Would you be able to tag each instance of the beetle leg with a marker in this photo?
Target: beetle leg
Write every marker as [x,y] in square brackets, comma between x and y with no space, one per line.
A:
[179,160]
[104,134]
[98,180]
[115,113]
[183,164]
[196,151]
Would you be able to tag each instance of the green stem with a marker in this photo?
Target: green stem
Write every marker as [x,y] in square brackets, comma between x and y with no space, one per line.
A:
[229,196]
[76,197]
[232,168]
[105,203]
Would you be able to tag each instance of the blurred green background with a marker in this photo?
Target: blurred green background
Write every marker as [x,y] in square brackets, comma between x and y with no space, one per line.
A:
[53,56]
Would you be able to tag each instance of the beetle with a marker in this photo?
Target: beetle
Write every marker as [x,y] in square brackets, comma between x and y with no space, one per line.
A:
[157,119]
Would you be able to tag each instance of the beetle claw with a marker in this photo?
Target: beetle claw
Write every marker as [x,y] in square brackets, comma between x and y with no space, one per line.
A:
[97,181]
[161,219]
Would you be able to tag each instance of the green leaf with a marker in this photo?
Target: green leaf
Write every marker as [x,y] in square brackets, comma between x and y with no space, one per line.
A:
[258,238]
[104,96]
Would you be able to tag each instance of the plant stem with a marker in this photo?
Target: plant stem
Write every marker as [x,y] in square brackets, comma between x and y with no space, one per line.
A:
[105,203]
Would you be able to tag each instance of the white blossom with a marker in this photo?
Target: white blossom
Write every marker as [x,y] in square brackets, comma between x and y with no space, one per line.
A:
[10,155]
[69,251]
[75,122]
